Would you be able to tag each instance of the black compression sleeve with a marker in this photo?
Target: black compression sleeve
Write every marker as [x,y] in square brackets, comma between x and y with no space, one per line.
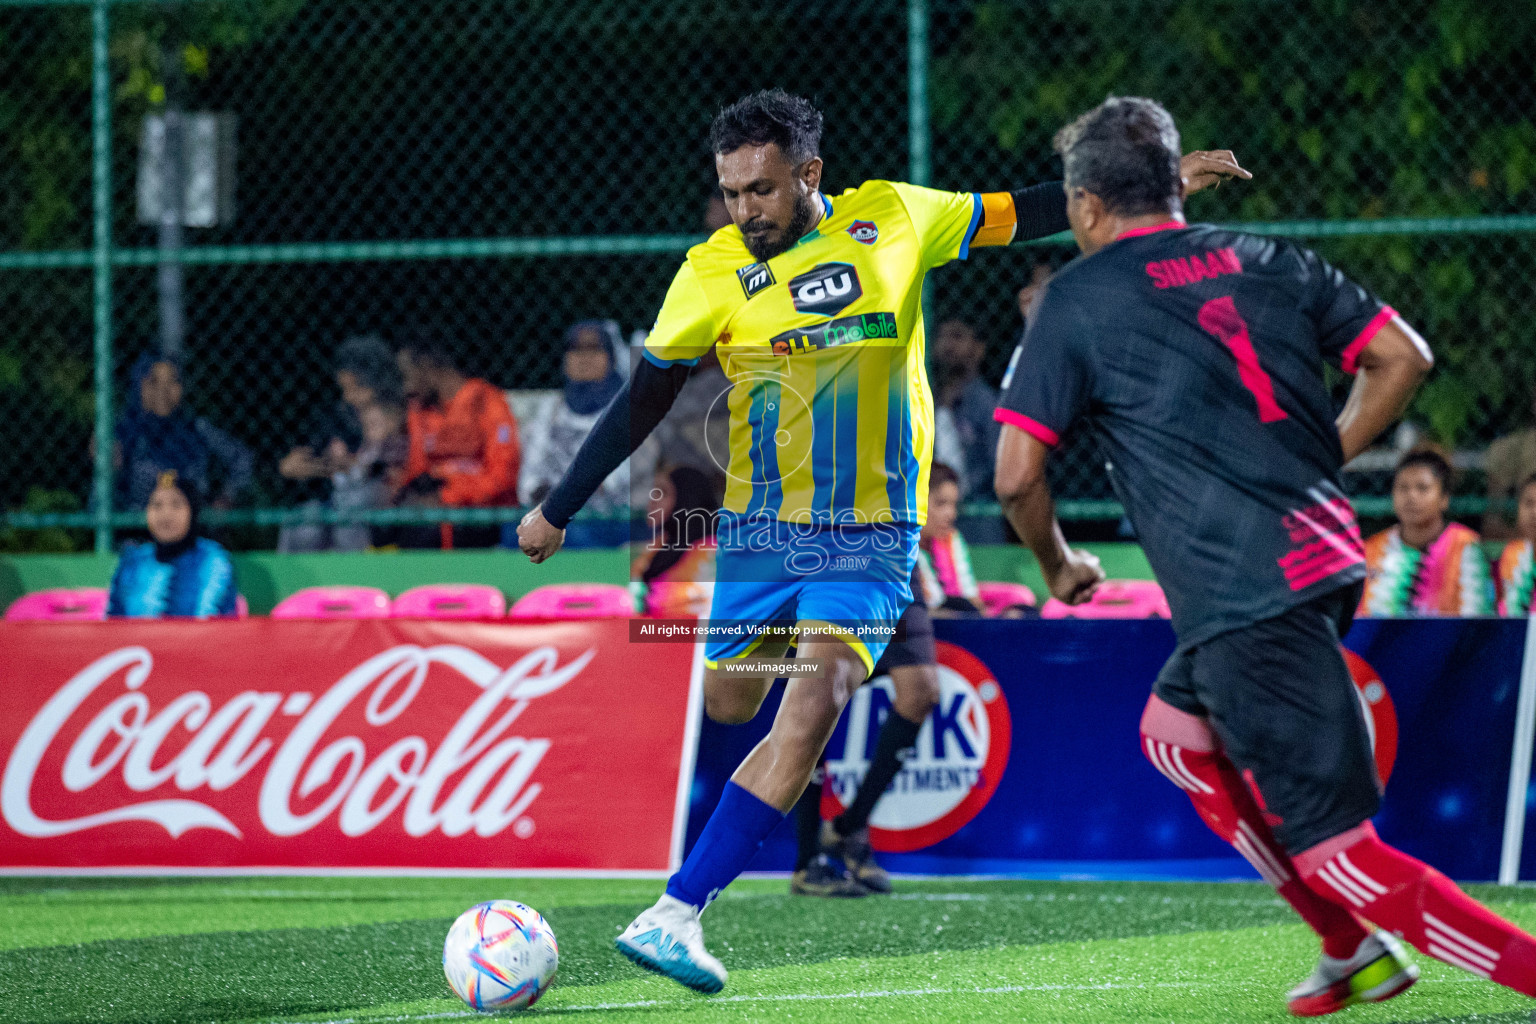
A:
[635,411]
[1041,210]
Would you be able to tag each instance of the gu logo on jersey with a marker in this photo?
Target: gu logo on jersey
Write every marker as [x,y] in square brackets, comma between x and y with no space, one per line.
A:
[754,278]
[952,772]
[827,289]
[864,231]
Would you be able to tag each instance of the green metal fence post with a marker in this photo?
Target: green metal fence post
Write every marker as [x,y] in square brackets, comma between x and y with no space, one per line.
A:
[918,170]
[101,263]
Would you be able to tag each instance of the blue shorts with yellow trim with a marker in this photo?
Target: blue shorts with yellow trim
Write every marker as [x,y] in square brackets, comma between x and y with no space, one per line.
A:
[853,579]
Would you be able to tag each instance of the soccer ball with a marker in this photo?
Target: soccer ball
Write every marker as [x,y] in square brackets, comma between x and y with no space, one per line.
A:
[500,955]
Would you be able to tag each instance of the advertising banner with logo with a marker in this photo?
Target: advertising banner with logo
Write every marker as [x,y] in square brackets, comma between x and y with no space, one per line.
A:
[1031,762]
[385,745]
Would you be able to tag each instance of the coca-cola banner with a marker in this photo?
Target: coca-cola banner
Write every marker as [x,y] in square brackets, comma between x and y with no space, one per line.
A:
[396,745]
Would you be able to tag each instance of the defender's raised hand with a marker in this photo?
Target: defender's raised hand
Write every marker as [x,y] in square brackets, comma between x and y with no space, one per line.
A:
[1207,167]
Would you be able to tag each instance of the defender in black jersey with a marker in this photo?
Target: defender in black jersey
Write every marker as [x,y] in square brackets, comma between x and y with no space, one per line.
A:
[1195,355]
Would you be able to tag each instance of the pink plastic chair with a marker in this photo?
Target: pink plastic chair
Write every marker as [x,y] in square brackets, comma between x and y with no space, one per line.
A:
[65,604]
[334,603]
[997,597]
[450,601]
[242,607]
[1115,599]
[574,601]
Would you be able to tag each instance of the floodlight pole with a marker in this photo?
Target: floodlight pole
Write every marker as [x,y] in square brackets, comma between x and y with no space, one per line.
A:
[173,311]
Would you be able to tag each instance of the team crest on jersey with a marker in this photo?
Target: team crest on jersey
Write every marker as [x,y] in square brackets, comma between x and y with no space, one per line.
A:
[953,769]
[754,278]
[864,231]
[827,289]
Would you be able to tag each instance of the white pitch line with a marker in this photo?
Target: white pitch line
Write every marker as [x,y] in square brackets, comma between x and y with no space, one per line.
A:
[799,997]
[787,997]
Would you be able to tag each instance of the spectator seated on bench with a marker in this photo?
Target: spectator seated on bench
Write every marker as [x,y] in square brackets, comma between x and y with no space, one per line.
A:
[1425,565]
[949,587]
[1517,565]
[178,573]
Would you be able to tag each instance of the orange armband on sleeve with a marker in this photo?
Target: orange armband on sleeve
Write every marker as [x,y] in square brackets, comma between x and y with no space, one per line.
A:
[999,220]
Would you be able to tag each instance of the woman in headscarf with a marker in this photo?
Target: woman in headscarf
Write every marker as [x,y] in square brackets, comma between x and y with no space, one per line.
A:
[156,434]
[177,572]
[561,422]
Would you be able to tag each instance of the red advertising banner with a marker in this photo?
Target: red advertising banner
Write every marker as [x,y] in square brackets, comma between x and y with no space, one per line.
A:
[388,745]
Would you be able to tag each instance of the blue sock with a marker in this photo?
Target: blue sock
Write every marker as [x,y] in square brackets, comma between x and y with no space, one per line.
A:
[730,840]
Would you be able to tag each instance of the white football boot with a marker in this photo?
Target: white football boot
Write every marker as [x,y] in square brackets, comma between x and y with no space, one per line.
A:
[1379,970]
[669,940]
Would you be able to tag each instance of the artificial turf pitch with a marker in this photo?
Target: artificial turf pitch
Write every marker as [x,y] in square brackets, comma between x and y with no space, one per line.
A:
[135,951]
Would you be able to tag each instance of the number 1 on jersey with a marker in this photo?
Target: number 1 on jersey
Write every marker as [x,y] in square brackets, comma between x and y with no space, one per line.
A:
[1221,318]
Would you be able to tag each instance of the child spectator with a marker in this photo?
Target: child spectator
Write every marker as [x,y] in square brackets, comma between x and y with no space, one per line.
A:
[1425,565]
[178,573]
[1517,565]
[943,559]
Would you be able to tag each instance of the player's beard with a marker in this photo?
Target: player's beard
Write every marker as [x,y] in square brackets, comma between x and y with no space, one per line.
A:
[765,247]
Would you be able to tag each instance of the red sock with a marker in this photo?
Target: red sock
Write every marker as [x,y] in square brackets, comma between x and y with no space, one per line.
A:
[1420,904]
[1183,748]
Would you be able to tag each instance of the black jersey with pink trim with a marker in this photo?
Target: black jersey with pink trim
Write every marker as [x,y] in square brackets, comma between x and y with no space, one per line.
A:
[1195,356]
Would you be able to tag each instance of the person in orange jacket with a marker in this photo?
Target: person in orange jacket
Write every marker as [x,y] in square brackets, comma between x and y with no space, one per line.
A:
[464,450]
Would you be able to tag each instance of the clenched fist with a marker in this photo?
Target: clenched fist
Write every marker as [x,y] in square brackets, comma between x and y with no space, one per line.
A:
[537,537]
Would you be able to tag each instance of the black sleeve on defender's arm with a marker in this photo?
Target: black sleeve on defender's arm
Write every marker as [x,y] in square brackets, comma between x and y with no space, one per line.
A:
[1041,211]
[635,411]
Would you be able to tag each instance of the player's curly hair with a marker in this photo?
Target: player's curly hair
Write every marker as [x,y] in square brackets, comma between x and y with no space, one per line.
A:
[791,122]
[1126,152]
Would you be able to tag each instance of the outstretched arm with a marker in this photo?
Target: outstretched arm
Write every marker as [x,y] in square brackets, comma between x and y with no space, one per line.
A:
[1040,211]
[1026,498]
[629,419]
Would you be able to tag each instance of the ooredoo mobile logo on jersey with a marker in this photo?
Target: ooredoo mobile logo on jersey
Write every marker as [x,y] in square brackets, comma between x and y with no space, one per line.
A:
[951,773]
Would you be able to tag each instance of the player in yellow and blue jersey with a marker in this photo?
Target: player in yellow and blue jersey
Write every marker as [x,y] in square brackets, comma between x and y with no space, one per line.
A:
[814,305]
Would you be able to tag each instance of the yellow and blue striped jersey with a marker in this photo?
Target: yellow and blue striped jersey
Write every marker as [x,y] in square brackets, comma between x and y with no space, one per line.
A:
[831,419]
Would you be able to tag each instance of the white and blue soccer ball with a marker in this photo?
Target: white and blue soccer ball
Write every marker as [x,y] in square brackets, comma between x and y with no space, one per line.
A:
[500,955]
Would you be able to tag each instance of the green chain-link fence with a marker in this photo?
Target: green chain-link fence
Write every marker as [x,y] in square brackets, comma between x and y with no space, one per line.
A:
[493,170]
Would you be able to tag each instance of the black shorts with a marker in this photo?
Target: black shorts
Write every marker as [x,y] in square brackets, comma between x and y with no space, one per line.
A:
[914,643]
[1280,699]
